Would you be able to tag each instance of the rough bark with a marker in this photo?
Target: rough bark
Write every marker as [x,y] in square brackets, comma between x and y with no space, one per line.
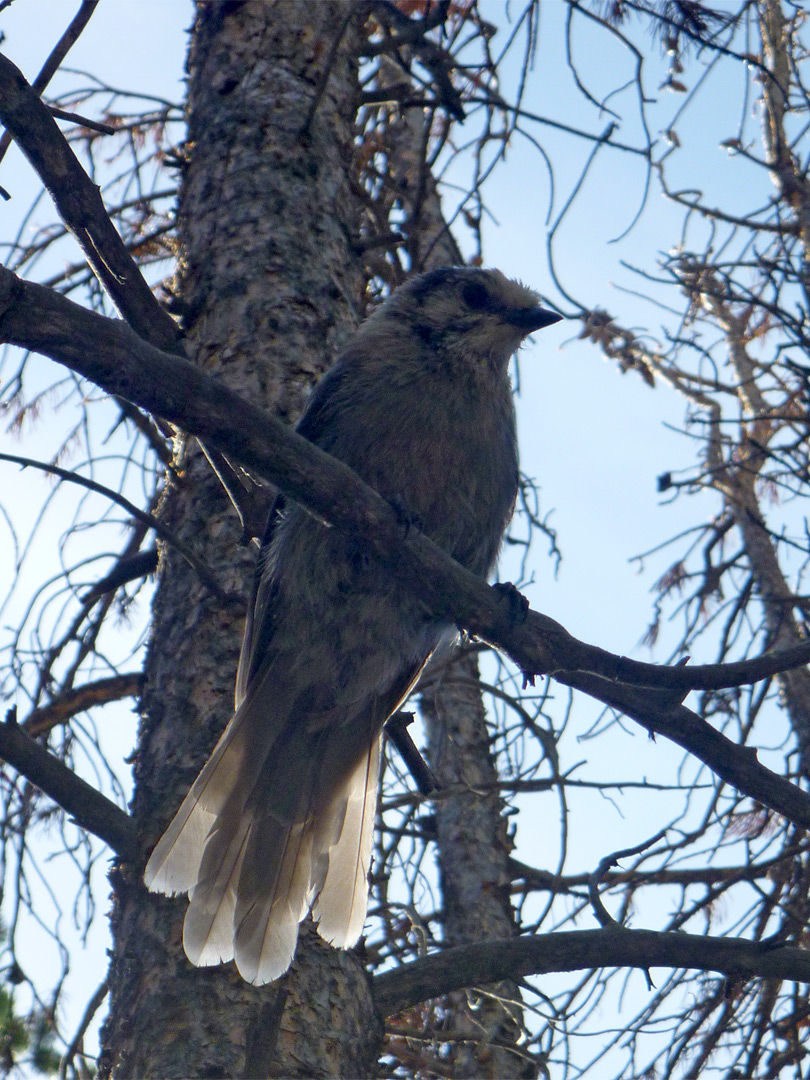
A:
[269,289]
[779,606]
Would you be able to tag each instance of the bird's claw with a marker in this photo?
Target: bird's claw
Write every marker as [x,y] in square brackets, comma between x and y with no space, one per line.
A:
[405,516]
[518,604]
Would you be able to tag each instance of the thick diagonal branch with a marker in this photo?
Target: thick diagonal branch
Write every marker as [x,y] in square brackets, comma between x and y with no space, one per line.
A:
[109,353]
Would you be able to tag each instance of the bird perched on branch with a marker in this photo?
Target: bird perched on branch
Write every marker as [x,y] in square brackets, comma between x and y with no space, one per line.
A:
[280,820]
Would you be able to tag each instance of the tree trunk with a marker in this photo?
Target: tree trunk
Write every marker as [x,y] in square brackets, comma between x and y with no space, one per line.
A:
[270,289]
[473,853]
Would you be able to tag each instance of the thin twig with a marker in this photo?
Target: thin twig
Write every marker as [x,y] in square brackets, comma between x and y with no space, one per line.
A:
[205,575]
[75,118]
[58,54]
[75,1044]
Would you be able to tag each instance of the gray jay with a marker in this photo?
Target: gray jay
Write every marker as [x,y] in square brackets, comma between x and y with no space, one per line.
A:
[280,820]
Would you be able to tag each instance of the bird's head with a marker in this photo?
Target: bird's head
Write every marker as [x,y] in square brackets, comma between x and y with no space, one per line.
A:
[467,311]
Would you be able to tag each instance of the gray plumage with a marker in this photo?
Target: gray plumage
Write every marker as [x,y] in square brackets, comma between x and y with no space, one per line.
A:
[280,820]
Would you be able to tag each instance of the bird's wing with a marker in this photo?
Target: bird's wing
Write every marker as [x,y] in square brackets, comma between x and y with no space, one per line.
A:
[257,638]
[259,622]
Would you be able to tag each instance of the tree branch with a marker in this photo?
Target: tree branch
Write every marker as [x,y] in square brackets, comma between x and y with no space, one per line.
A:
[89,808]
[84,697]
[149,520]
[737,765]
[126,569]
[79,202]
[526,878]
[58,54]
[397,730]
[488,962]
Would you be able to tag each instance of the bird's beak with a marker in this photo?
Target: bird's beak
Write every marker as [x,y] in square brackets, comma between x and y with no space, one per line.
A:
[530,319]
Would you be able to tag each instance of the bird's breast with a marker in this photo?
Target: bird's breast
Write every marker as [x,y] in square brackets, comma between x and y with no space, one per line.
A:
[451,460]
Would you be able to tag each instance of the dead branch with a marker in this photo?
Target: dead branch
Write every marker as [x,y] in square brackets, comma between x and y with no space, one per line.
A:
[487,962]
[71,702]
[89,808]
[80,206]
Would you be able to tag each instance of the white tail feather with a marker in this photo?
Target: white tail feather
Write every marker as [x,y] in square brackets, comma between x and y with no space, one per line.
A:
[208,925]
[266,924]
[173,865]
[340,909]
[228,778]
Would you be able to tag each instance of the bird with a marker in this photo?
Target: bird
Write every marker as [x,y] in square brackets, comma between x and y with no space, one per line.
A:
[280,820]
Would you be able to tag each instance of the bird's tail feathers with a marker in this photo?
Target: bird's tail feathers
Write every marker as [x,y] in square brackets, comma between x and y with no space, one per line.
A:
[208,925]
[322,858]
[281,819]
[222,788]
[265,926]
[342,898]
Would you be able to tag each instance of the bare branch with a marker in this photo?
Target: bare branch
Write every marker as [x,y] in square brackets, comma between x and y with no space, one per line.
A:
[127,568]
[58,54]
[486,962]
[737,765]
[71,702]
[89,808]
[79,203]
[205,574]
[75,118]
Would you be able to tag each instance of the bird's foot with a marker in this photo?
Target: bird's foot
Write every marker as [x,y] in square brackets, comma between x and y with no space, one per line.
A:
[518,604]
[407,518]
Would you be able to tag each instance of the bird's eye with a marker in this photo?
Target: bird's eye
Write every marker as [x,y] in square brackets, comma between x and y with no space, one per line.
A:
[475,295]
